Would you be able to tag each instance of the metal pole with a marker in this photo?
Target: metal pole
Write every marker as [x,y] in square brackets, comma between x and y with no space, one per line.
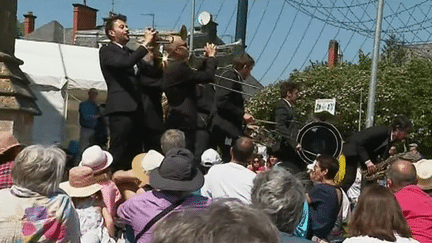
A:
[241,21]
[375,55]
[192,27]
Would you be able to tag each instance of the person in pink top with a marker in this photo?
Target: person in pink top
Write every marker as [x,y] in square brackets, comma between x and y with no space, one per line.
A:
[416,205]
[257,164]
[99,160]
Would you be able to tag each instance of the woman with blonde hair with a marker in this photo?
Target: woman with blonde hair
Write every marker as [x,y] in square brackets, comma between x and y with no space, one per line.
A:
[378,218]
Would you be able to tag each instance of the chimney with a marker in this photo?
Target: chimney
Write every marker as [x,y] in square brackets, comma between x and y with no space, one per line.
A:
[29,23]
[211,30]
[333,53]
[84,18]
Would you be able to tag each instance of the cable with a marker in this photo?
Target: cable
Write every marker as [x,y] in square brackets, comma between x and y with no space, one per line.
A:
[181,14]
[298,46]
[316,41]
[350,39]
[283,43]
[230,20]
[250,9]
[364,41]
[272,32]
[200,6]
[333,7]
[259,24]
[220,8]
[337,33]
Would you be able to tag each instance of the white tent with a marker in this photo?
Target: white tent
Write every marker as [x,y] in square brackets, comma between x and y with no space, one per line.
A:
[60,77]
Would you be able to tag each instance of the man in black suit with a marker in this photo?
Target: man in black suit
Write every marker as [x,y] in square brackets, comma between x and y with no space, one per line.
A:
[368,147]
[288,126]
[179,84]
[229,112]
[150,77]
[120,67]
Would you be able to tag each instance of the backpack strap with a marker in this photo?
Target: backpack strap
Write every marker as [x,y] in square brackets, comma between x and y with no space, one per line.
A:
[158,217]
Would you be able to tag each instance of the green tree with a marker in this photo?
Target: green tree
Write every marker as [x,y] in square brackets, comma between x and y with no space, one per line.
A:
[19,29]
[394,51]
[401,90]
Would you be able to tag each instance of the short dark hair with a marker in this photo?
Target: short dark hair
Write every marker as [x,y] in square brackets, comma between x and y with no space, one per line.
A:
[401,123]
[378,215]
[110,23]
[328,163]
[243,149]
[241,60]
[402,173]
[288,86]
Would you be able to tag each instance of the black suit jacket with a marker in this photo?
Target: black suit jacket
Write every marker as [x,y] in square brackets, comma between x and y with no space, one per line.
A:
[179,83]
[372,143]
[117,66]
[151,83]
[286,122]
[229,105]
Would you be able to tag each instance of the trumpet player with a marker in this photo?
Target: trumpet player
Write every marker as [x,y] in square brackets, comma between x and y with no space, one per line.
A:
[150,77]
[179,84]
[229,113]
[124,107]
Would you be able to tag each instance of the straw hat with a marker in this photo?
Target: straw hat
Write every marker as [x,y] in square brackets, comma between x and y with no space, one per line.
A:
[82,182]
[7,141]
[95,158]
[143,163]
[424,173]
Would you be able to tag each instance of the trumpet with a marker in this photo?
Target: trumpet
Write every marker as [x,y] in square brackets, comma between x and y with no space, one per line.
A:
[166,37]
[222,50]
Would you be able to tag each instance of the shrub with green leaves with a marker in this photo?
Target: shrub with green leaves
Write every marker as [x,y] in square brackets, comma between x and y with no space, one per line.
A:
[401,90]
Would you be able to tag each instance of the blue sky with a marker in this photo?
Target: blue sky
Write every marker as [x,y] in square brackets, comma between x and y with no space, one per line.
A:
[279,37]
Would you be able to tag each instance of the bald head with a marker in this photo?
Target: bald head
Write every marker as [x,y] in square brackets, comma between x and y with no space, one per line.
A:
[177,49]
[401,173]
[242,150]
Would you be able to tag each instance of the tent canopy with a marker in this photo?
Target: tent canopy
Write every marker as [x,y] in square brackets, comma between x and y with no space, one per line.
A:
[60,77]
[52,64]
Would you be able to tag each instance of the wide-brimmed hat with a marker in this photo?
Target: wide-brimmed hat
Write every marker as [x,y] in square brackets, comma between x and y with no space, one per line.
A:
[143,163]
[177,172]
[96,158]
[210,157]
[7,141]
[424,173]
[82,182]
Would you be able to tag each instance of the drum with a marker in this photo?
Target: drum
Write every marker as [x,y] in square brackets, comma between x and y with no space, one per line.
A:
[319,138]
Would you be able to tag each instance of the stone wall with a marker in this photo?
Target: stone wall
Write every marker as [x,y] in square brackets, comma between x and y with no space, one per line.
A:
[19,123]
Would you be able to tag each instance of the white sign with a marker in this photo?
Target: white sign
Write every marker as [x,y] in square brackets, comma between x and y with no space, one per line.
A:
[328,105]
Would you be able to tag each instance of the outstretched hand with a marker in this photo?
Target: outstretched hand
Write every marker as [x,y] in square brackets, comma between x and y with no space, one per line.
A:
[210,50]
[149,37]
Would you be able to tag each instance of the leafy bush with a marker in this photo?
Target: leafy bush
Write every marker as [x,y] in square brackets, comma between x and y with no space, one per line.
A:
[401,90]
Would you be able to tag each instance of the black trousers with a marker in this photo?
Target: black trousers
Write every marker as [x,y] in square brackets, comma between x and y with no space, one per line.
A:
[290,157]
[350,171]
[219,136]
[126,136]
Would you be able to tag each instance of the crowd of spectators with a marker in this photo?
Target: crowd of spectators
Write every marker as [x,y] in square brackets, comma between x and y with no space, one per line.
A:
[167,197]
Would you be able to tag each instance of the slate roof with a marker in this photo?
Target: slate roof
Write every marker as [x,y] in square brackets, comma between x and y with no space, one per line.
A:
[51,32]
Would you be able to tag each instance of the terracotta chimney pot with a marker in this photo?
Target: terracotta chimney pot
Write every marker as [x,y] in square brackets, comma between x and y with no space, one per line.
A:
[29,23]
